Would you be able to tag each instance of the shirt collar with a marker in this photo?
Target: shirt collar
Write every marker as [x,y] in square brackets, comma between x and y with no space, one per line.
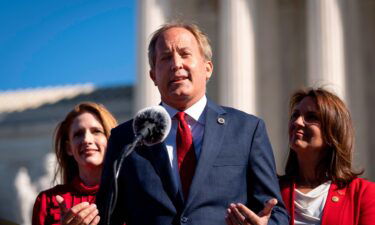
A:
[83,188]
[195,111]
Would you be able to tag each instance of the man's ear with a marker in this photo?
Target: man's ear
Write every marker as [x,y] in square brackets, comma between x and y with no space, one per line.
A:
[209,68]
[152,76]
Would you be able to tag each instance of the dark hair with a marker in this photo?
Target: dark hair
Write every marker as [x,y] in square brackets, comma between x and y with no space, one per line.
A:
[202,39]
[338,136]
[67,167]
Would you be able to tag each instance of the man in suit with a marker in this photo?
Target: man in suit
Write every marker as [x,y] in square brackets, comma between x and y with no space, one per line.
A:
[213,155]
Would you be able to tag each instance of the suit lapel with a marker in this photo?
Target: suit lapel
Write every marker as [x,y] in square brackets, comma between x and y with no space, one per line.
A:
[213,135]
[161,163]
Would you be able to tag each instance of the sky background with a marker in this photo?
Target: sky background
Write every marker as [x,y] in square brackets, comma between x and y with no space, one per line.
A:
[62,42]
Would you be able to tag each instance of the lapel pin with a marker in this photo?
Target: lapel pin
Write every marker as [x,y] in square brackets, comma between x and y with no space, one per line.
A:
[335,199]
[221,120]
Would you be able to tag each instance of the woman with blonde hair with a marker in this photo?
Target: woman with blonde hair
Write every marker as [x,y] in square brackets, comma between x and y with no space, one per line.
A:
[80,144]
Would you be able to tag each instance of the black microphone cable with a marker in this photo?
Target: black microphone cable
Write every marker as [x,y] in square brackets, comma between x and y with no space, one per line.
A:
[127,150]
[151,126]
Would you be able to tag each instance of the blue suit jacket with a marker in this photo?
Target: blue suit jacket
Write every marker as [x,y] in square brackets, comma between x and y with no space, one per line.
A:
[236,164]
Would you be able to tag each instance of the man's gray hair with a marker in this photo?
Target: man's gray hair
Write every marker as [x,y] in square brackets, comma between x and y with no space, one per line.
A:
[202,39]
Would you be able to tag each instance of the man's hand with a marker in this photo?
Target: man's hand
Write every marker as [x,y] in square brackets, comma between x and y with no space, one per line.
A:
[83,213]
[240,214]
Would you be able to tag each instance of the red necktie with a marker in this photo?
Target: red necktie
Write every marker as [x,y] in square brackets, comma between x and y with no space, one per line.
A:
[185,153]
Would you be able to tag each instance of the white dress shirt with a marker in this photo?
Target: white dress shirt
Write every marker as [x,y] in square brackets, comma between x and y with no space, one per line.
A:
[196,118]
[309,206]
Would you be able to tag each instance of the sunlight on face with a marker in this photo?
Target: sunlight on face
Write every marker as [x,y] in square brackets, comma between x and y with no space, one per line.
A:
[181,71]
[87,141]
[305,132]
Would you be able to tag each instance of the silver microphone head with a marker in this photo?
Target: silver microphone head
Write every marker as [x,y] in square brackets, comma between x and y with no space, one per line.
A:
[157,120]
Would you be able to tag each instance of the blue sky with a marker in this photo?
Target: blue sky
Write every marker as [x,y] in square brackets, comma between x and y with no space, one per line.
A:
[58,42]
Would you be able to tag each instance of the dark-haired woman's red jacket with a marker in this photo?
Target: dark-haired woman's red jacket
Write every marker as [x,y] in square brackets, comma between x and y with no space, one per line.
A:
[352,205]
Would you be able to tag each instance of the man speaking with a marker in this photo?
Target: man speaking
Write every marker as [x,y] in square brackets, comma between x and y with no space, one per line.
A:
[212,156]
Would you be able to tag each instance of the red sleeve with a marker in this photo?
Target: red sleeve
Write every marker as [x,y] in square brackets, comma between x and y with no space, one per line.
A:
[367,205]
[40,209]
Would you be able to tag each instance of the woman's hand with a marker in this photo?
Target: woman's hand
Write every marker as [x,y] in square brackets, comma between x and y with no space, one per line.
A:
[238,214]
[81,214]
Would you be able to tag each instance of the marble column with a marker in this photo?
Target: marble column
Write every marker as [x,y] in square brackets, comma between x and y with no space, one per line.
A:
[237,60]
[151,15]
[326,45]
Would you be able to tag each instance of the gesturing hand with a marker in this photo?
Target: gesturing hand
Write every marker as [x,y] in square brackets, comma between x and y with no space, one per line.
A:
[240,214]
[83,213]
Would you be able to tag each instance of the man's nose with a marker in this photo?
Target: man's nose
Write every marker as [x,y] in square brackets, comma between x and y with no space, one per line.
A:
[176,62]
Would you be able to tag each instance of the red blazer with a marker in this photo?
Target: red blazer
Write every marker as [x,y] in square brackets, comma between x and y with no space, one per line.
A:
[46,209]
[352,205]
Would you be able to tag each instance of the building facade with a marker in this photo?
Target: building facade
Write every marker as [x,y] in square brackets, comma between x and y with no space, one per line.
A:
[266,49]
[263,51]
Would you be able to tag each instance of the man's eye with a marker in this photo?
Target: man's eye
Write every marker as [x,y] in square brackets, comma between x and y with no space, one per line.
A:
[185,54]
[165,57]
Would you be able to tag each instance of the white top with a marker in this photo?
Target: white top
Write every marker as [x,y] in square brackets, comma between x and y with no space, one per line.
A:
[309,207]
[196,120]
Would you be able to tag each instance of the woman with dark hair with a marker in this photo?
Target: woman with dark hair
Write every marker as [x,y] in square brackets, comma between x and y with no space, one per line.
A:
[319,185]
[80,144]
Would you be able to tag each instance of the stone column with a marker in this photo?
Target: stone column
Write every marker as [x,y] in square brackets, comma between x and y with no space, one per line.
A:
[237,60]
[359,27]
[326,45]
[151,15]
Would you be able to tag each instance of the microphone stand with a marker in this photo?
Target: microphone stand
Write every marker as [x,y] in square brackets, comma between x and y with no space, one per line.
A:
[117,165]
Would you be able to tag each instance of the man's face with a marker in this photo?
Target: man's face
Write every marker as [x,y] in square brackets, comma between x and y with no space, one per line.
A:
[181,71]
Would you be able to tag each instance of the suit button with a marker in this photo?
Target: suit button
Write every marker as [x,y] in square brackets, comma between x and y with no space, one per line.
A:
[221,120]
[184,219]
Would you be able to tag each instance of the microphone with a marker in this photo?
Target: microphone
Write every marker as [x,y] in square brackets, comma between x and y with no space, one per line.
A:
[152,125]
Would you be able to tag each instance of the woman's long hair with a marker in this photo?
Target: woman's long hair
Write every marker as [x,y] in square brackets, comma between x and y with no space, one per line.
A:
[67,167]
[338,136]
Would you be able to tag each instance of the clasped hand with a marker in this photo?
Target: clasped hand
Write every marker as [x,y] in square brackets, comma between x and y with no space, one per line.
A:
[83,213]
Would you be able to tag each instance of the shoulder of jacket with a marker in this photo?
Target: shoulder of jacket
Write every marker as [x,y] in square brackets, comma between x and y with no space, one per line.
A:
[240,114]
[56,190]
[123,126]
